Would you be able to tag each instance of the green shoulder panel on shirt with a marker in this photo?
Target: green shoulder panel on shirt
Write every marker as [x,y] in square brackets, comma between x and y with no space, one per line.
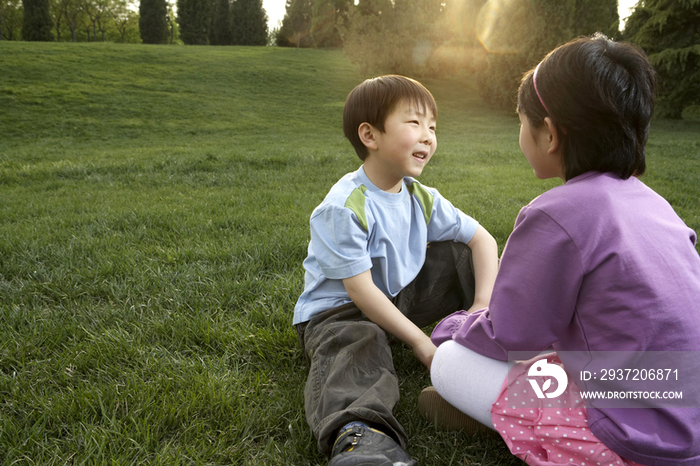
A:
[356,203]
[425,199]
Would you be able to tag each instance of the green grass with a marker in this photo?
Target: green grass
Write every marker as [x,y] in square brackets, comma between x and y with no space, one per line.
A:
[154,206]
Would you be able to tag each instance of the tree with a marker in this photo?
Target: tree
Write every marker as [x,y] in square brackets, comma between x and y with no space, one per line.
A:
[122,17]
[221,24]
[368,38]
[461,50]
[97,11]
[669,32]
[153,24]
[72,11]
[193,17]
[459,20]
[593,16]
[102,15]
[249,23]
[10,18]
[397,37]
[172,24]
[56,11]
[326,15]
[296,24]
[373,7]
[37,23]
[517,38]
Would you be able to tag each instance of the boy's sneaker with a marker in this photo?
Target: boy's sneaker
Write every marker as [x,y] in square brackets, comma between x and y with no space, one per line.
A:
[436,410]
[360,445]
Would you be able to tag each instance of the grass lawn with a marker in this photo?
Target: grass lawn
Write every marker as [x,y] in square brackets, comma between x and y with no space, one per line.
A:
[154,206]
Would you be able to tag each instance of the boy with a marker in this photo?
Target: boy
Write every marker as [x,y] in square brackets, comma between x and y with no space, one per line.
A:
[369,271]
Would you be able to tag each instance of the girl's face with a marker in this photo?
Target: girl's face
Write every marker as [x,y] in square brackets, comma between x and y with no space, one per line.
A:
[544,159]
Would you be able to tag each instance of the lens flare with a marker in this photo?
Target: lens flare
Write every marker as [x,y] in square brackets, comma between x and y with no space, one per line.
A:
[499,25]
[422,52]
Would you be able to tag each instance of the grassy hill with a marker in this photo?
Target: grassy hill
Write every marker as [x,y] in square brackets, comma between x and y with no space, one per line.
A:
[154,206]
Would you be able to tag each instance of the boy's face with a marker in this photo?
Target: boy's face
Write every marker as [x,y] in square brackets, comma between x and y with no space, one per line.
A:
[406,145]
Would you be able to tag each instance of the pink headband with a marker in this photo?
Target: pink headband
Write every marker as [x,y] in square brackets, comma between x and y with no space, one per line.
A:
[534,83]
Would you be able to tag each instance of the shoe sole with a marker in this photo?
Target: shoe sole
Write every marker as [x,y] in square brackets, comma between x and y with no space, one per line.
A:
[360,445]
[378,460]
[436,410]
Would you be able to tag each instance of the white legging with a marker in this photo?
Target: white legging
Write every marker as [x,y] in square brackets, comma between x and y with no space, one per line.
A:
[467,380]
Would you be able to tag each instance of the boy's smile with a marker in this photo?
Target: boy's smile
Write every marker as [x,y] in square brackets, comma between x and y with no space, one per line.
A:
[402,149]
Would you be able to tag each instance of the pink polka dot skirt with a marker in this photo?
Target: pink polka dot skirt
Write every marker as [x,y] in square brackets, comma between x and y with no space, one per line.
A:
[548,431]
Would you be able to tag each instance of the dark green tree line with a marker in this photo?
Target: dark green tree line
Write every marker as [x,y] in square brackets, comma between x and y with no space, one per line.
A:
[71,20]
[499,39]
[398,37]
[36,22]
[328,18]
[153,23]
[669,32]
[596,16]
[193,17]
[529,30]
[517,39]
[296,24]
[221,33]
[222,22]
[249,23]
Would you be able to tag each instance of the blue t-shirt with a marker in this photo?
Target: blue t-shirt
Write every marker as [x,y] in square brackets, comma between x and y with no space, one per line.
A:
[359,227]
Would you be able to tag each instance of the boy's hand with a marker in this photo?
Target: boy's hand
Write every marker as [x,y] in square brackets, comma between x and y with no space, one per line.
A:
[485,259]
[380,310]
[477,307]
[425,351]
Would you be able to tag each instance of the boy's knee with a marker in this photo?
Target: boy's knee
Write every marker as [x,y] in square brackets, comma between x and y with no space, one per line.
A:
[452,252]
[361,336]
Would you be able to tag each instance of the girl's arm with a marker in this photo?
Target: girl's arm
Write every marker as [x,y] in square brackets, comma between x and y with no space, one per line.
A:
[380,310]
[535,295]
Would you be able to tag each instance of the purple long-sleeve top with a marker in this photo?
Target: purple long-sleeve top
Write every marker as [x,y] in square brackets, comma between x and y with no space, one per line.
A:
[599,264]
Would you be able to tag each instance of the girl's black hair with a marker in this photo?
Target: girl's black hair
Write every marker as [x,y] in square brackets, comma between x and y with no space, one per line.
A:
[600,95]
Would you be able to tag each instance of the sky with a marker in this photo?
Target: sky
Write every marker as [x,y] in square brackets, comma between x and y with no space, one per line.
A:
[624,7]
[275,10]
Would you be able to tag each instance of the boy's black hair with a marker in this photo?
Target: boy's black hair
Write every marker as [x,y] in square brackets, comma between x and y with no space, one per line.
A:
[600,95]
[374,99]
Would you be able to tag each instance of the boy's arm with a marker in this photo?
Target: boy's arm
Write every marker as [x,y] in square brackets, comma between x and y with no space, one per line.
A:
[485,259]
[380,310]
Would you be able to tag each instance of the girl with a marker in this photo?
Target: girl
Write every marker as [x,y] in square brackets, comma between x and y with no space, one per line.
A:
[599,266]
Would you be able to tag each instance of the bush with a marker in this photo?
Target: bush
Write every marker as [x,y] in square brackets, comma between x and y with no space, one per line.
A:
[518,35]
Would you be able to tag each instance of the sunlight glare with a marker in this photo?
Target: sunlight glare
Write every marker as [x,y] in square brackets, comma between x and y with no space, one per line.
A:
[495,25]
[422,52]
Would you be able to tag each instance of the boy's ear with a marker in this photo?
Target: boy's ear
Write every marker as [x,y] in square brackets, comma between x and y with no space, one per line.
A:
[552,136]
[367,135]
